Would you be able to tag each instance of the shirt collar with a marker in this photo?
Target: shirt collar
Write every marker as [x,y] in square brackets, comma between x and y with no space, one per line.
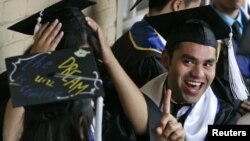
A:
[229,21]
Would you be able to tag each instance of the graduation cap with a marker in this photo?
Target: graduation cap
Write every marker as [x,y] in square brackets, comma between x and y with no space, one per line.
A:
[43,84]
[53,77]
[48,84]
[200,25]
[69,13]
[66,11]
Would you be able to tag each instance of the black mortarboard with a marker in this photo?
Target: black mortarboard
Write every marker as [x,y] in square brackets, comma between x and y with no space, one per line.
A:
[53,84]
[65,11]
[53,77]
[191,25]
[204,26]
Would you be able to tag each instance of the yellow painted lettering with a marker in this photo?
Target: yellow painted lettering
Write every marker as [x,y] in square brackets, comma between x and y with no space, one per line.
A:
[38,79]
[76,85]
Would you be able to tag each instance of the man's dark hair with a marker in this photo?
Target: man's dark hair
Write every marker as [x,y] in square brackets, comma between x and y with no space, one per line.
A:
[160,4]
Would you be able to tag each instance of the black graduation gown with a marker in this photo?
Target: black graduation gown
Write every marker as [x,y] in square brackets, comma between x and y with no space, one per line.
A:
[140,65]
[221,85]
[226,115]
[4,97]
[153,92]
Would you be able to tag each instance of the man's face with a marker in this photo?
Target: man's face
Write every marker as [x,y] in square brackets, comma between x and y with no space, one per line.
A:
[229,5]
[191,71]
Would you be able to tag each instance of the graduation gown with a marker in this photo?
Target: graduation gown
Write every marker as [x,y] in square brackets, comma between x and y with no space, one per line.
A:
[4,97]
[225,114]
[221,84]
[139,53]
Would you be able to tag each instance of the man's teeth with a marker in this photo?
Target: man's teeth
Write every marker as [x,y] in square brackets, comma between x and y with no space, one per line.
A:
[194,83]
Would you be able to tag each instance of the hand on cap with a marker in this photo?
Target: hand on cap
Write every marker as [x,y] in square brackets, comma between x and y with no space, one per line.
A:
[169,129]
[106,52]
[48,37]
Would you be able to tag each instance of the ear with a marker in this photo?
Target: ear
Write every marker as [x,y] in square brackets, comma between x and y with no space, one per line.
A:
[165,59]
[178,5]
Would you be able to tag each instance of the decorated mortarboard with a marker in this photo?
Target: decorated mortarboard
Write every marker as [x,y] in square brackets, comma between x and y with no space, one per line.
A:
[53,77]
[173,26]
[201,25]
[66,11]
[47,83]
[53,80]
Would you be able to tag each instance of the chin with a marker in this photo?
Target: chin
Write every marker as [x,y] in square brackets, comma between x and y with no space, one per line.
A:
[192,99]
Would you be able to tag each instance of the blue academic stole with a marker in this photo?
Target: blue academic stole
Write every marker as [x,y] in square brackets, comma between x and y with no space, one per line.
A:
[144,37]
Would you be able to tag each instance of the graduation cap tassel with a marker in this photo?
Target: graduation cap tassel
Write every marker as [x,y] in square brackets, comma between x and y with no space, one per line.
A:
[38,24]
[237,84]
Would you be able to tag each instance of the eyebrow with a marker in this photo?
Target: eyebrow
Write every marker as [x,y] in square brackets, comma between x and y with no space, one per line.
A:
[212,60]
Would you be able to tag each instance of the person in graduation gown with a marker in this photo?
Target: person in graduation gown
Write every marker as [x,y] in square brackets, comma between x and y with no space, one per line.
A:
[10,117]
[139,53]
[228,84]
[4,97]
[190,58]
[139,49]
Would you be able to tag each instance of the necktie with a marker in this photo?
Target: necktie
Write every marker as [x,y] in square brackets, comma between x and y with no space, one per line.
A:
[176,107]
[236,31]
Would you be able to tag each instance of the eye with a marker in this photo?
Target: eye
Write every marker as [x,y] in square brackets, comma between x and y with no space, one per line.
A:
[209,64]
[188,61]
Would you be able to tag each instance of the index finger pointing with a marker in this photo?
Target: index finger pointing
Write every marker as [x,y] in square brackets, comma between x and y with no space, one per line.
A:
[166,102]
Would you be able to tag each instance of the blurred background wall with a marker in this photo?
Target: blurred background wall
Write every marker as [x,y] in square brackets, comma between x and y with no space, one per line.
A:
[12,11]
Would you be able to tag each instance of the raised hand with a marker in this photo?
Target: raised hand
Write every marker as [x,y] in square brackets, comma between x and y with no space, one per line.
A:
[106,52]
[170,129]
[132,100]
[47,38]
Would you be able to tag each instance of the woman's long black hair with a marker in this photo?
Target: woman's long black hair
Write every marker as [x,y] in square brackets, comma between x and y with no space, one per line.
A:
[71,120]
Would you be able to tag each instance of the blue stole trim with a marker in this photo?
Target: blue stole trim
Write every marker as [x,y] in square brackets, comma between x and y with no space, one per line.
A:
[144,37]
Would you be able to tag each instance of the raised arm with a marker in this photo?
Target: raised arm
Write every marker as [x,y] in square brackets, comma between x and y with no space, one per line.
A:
[13,118]
[131,98]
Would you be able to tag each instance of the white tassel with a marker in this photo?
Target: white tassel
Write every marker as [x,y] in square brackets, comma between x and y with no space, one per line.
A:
[38,24]
[237,84]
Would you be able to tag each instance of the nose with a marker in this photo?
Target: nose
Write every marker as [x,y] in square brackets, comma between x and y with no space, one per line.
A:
[197,71]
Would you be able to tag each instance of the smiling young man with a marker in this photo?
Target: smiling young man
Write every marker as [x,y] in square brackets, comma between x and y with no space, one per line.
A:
[190,58]
[192,69]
